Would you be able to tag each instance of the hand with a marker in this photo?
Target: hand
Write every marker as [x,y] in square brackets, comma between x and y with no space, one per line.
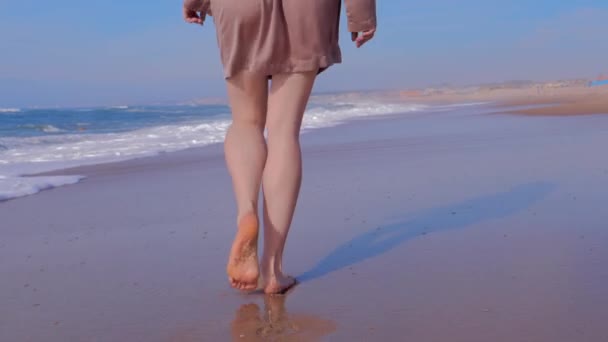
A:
[362,38]
[191,16]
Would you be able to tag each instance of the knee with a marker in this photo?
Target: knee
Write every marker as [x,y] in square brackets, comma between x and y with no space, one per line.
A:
[283,135]
[257,123]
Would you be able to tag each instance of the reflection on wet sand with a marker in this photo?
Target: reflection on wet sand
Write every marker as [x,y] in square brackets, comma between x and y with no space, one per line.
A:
[276,324]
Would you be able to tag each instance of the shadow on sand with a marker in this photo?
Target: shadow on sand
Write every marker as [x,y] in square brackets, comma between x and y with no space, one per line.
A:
[460,215]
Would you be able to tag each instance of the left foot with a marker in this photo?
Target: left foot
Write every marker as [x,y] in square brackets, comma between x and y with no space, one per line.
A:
[279,284]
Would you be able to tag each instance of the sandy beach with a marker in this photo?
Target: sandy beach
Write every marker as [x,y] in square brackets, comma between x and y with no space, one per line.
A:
[562,98]
[445,225]
[584,104]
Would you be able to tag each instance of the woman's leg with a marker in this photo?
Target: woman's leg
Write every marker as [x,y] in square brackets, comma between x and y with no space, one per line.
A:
[245,150]
[282,176]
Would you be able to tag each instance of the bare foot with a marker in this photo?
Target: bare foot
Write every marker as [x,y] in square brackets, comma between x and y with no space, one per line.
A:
[279,284]
[243,270]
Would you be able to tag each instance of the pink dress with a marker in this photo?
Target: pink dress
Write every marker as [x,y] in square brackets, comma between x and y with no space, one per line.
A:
[282,36]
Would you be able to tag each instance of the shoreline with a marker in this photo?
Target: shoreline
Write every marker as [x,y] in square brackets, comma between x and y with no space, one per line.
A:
[565,102]
[88,168]
[498,217]
[19,177]
[551,101]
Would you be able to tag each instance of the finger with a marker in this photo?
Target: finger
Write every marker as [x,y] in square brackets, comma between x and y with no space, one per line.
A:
[369,32]
[195,21]
[365,37]
[354,35]
[190,14]
[368,35]
[360,41]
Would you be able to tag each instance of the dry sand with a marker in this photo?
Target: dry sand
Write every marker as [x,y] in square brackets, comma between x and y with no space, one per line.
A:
[447,226]
[573,105]
[567,100]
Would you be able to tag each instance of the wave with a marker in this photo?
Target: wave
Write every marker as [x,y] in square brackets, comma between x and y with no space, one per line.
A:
[460,105]
[13,187]
[75,149]
[35,154]
[50,129]
[10,110]
[326,116]
[84,148]
[42,128]
[148,110]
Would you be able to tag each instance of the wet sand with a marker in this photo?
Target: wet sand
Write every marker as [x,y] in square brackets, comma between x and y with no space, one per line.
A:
[444,226]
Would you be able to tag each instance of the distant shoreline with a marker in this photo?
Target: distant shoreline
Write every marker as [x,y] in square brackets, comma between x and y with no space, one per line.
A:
[553,99]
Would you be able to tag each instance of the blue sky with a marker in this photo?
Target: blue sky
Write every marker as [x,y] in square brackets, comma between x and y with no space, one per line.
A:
[78,53]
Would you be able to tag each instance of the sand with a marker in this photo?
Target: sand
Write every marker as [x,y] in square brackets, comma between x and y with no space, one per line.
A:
[543,99]
[445,226]
[573,105]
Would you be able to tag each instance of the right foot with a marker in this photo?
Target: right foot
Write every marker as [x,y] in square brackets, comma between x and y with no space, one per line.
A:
[279,284]
[243,271]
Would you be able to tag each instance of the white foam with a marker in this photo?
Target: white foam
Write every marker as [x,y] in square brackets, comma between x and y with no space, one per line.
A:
[10,110]
[459,105]
[111,146]
[50,129]
[43,128]
[47,152]
[326,117]
[30,155]
[13,187]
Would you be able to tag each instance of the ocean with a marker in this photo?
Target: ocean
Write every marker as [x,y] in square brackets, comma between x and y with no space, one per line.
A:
[41,140]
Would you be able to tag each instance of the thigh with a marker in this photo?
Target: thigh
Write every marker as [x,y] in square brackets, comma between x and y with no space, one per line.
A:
[289,94]
[248,96]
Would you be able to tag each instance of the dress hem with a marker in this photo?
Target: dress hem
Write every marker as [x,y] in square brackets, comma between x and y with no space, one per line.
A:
[318,63]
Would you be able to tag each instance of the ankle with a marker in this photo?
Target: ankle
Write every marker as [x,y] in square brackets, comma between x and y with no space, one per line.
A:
[271,267]
[247,216]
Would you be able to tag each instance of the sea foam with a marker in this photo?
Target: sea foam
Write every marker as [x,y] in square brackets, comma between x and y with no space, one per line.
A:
[12,187]
[36,154]
[10,110]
